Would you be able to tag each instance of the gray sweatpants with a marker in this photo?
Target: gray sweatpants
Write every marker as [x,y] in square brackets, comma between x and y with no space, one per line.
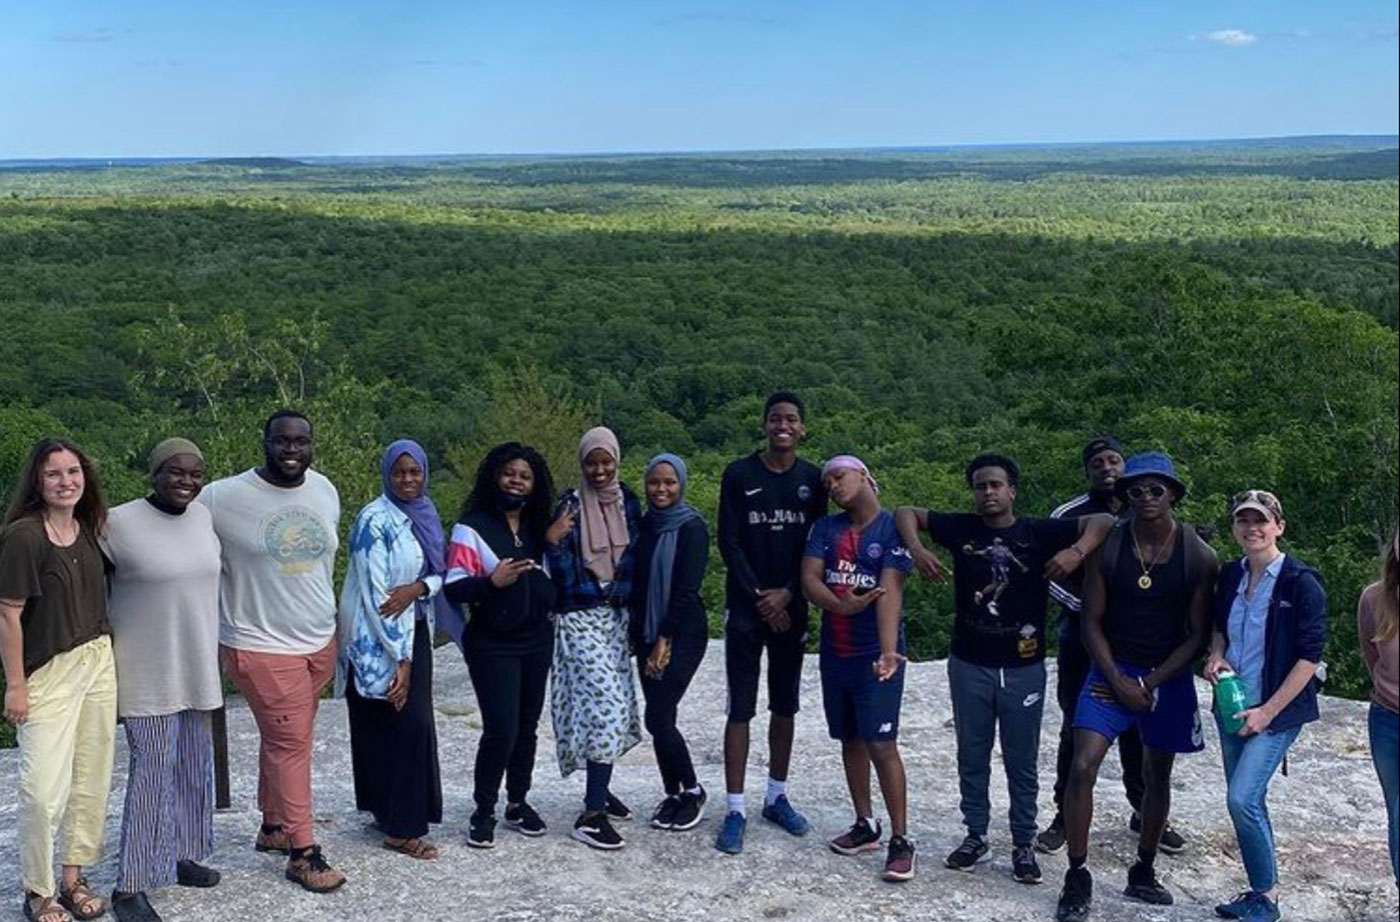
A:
[982,698]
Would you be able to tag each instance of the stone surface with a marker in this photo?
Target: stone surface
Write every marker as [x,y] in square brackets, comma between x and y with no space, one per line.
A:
[1328,817]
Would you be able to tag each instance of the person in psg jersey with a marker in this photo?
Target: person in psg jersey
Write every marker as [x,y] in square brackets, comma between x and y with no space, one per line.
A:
[767,502]
[854,571]
[996,670]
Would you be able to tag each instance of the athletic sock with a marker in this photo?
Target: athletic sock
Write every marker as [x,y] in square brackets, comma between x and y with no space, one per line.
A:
[776,789]
[736,804]
[1146,859]
[697,790]
[1078,861]
[269,828]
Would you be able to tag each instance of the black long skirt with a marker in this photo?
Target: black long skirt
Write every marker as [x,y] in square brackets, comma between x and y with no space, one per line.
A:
[395,753]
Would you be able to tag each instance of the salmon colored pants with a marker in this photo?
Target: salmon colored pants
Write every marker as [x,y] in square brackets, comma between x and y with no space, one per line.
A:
[283,692]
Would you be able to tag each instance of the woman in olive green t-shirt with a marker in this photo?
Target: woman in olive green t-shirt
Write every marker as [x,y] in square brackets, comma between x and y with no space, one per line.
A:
[61,685]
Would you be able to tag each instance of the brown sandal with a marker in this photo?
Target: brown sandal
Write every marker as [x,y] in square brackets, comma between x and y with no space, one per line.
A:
[416,847]
[81,901]
[44,909]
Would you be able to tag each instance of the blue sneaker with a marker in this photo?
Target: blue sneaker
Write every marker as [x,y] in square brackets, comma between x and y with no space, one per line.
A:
[782,813]
[731,835]
[1236,908]
[1262,909]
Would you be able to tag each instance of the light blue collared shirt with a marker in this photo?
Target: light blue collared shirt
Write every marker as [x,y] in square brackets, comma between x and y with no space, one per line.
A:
[1248,625]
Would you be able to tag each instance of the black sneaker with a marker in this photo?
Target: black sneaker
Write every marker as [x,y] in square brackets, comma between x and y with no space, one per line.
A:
[965,857]
[1051,840]
[193,874]
[664,816]
[899,861]
[523,819]
[1076,897]
[617,810]
[128,907]
[481,831]
[1023,865]
[861,837]
[1171,843]
[1144,887]
[594,830]
[690,810]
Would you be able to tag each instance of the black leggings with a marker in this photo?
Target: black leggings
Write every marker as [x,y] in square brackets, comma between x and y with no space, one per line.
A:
[510,693]
[663,698]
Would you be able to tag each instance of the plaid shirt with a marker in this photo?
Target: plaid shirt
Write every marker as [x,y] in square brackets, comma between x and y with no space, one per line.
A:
[578,588]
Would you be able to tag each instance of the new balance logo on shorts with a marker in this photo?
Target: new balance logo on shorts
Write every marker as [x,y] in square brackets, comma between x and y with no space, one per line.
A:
[886,727]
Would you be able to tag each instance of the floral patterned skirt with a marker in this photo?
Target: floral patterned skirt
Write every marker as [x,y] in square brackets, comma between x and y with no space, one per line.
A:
[592,695]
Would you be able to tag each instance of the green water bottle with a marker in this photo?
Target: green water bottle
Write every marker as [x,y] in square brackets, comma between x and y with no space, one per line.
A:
[1230,700]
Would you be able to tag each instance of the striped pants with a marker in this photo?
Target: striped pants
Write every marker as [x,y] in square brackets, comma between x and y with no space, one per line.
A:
[169,813]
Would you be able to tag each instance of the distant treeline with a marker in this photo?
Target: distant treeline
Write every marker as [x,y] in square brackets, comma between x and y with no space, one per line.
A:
[922,322]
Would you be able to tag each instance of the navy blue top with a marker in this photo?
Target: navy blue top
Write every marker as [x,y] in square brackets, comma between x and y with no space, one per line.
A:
[1296,629]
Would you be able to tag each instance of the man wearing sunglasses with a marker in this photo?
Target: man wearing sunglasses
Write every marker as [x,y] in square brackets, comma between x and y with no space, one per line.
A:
[1103,465]
[1146,616]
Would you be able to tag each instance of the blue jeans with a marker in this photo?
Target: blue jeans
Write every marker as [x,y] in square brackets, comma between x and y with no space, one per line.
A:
[1385,753]
[1250,763]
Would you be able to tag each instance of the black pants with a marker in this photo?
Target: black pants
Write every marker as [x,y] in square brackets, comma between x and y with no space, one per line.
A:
[510,691]
[663,698]
[1074,665]
[394,754]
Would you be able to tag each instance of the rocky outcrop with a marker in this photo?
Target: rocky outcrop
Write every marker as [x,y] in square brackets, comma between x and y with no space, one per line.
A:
[1328,817]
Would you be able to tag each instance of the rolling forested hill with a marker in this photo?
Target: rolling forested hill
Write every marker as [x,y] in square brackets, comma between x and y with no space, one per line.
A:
[1233,304]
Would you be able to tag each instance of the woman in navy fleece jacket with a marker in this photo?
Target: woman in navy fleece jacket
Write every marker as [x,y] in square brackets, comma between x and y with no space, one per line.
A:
[1270,630]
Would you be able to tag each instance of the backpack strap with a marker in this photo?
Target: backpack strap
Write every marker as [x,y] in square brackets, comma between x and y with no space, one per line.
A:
[1196,551]
[1109,550]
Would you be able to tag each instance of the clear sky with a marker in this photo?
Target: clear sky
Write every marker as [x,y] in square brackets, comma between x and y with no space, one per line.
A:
[106,78]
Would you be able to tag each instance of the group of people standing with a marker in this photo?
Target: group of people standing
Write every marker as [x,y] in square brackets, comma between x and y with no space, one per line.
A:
[132,614]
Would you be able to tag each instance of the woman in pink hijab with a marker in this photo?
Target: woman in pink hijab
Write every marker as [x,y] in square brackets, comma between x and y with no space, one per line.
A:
[592,696]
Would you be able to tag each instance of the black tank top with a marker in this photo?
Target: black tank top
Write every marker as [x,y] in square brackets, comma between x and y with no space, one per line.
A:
[1144,626]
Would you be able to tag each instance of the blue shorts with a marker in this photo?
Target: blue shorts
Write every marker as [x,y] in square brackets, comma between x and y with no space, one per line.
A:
[857,704]
[1173,724]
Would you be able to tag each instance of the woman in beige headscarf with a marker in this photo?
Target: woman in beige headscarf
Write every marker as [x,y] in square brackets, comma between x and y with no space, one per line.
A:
[592,696]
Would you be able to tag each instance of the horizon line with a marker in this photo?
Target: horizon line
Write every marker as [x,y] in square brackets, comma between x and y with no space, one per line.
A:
[662,152]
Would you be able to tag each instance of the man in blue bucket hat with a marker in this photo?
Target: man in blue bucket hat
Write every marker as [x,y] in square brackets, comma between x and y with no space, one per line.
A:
[1146,617]
[1102,459]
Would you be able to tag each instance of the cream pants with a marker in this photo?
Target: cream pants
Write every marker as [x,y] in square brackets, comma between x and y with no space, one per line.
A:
[65,751]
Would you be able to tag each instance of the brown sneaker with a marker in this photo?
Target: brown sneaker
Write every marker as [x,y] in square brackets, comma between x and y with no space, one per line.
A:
[275,841]
[311,871]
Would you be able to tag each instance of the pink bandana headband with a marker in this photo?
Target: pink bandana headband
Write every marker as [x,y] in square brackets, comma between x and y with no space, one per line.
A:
[849,463]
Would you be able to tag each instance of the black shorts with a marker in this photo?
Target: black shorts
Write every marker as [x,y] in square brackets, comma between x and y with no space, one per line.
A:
[745,639]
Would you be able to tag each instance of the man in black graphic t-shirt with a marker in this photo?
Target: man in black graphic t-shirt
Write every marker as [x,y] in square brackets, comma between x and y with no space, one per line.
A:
[996,670]
[767,502]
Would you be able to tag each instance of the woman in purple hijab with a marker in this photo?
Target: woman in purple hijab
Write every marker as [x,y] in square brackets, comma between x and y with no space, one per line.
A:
[390,606]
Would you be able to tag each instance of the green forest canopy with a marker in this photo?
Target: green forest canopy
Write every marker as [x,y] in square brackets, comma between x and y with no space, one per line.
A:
[1234,305]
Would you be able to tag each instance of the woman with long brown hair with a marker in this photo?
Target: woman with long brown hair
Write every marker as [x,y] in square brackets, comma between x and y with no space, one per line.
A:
[1376,616]
[61,680]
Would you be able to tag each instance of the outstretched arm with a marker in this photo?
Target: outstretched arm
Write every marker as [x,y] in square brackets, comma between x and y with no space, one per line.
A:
[909,521]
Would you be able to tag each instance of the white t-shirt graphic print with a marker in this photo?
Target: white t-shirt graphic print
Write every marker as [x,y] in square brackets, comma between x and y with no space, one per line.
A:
[279,546]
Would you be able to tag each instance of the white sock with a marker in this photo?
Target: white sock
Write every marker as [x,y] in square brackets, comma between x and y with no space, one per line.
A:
[697,790]
[776,789]
[736,804]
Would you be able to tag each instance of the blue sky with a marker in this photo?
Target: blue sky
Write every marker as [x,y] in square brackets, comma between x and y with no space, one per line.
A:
[157,78]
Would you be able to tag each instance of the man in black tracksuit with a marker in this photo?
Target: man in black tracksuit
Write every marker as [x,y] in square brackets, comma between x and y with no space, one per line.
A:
[768,501]
[1103,463]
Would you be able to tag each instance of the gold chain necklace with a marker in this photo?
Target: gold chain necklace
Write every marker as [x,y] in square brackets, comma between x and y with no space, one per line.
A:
[1145,580]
